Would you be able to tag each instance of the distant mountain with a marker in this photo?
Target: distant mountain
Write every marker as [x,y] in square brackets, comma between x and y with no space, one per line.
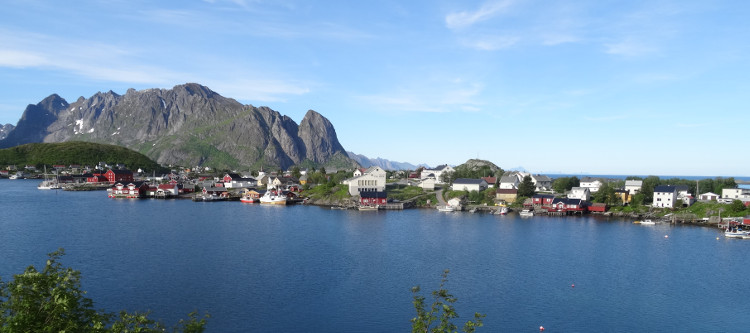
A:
[367,162]
[188,125]
[5,129]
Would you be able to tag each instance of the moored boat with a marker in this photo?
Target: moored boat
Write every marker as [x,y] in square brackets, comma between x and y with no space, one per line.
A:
[48,184]
[736,233]
[526,213]
[249,199]
[647,222]
[446,208]
[273,197]
[368,208]
[502,211]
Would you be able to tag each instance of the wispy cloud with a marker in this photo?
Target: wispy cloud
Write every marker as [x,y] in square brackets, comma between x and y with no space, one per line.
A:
[97,61]
[450,98]
[491,43]
[630,47]
[468,18]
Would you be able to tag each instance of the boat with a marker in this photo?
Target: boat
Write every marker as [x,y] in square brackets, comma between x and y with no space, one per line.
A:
[48,184]
[736,233]
[273,197]
[526,213]
[446,208]
[248,199]
[502,211]
[368,208]
[647,222]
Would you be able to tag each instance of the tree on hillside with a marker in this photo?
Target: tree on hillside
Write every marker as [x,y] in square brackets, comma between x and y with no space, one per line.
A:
[526,188]
[51,300]
[564,184]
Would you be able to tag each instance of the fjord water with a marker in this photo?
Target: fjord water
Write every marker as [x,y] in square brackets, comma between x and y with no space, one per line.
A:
[309,269]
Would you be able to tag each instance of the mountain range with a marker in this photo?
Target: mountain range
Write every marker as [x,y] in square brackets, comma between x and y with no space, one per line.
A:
[385,164]
[188,125]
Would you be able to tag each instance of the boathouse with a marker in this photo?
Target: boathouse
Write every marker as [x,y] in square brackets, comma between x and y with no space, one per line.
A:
[373,198]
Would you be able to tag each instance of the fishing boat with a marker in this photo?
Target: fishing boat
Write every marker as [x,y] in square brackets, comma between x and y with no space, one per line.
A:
[368,207]
[526,213]
[502,211]
[48,184]
[273,197]
[736,233]
[647,222]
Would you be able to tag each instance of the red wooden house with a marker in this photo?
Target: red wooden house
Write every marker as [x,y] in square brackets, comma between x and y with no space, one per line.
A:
[544,200]
[567,205]
[97,179]
[131,190]
[372,198]
[119,176]
[598,207]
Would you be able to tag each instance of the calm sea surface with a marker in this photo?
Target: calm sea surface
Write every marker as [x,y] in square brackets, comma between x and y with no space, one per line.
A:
[308,269]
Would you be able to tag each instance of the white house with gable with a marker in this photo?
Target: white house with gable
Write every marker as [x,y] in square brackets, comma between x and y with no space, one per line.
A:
[592,184]
[438,172]
[582,193]
[467,184]
[633,186]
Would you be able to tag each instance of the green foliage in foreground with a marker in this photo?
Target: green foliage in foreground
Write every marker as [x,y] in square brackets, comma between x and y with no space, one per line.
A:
[51,300]
[75,152]
[441,312]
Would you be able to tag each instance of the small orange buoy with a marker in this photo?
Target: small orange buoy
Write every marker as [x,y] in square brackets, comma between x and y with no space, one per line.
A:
[541,328]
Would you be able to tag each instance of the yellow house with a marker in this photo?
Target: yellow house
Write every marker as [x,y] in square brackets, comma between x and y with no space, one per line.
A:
[624,196]
[509,195]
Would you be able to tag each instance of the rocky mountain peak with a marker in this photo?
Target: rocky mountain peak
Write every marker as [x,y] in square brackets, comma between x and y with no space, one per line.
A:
[188,125]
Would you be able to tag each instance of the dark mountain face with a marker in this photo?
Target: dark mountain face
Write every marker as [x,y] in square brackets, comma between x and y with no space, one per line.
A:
[34,123]
[187,125]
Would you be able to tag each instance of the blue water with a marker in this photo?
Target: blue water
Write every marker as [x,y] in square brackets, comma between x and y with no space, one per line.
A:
[308,269]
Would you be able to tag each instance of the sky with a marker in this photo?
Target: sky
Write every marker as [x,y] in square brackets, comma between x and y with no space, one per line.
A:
[654,87]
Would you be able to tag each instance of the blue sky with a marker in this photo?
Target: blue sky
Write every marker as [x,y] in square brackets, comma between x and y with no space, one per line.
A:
[603,87]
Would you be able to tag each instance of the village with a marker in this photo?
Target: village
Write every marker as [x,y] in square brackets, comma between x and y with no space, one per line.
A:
[369,189]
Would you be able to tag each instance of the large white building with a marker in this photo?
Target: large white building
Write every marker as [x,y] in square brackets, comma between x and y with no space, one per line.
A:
[735,193]
[665,196]
[371,180]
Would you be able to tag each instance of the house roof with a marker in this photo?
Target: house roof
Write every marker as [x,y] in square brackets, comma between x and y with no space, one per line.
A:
[541,178]
[665,189]
[633,182]
[440,167]
[508,179]
[490,180]
[543,196]
[468,181]
[588,179]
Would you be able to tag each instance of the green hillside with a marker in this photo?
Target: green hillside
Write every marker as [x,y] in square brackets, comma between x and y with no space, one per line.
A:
[75,152]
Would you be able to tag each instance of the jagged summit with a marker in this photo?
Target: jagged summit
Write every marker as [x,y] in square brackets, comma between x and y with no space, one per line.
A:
[189,125]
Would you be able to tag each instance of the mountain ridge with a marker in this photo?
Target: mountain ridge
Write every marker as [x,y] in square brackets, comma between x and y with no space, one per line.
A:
[187,125]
